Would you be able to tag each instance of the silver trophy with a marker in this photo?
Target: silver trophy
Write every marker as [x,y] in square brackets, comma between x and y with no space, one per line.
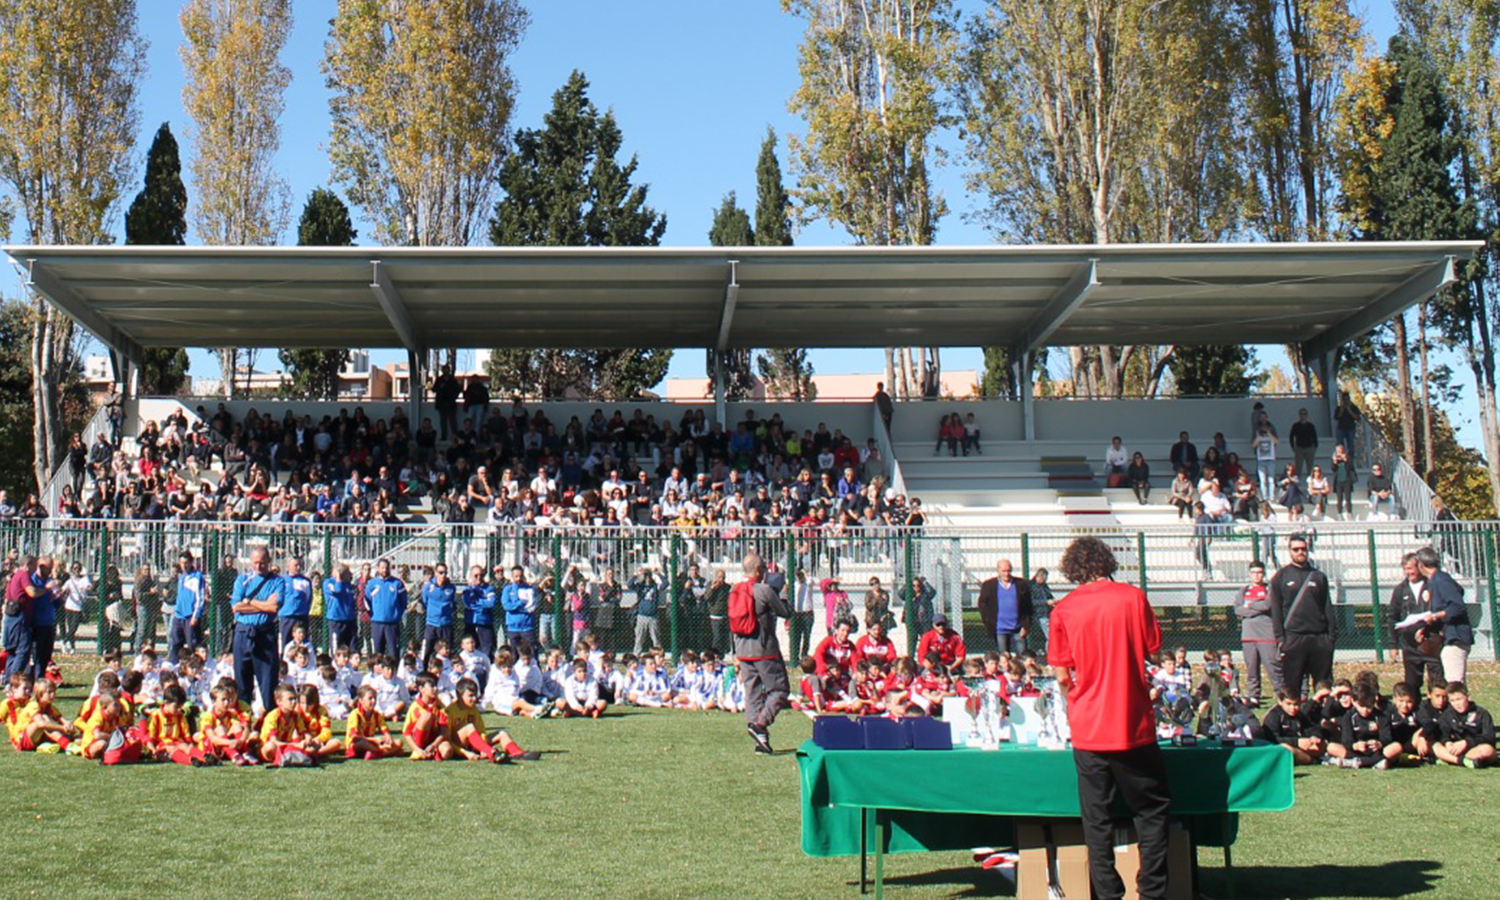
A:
[989,721]
[1053,732]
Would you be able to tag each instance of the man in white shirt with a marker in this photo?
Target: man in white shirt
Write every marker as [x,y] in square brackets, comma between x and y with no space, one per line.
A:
[1116,457]
[1217,505]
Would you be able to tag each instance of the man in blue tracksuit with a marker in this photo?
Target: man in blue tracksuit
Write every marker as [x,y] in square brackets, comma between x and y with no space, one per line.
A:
[479,612]
[386,595]
[43,619]
[296,602]
[648,589]
[187,610]
[440,597]
[339,610]
[520,601]
[255,600]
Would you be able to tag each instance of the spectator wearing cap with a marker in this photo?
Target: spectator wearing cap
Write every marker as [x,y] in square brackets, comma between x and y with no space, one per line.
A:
[1005,608]
[944,641]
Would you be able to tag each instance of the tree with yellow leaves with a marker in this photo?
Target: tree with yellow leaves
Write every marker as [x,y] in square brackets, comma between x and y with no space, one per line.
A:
[69,72]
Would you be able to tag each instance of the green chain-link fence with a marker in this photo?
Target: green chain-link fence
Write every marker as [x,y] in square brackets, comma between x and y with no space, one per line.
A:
[594,578]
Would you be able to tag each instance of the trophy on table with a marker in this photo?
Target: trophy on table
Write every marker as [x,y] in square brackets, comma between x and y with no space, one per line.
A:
[989,721]
[1174,717]
[1052,711]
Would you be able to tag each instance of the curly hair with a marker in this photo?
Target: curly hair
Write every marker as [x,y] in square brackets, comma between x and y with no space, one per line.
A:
[1087,559]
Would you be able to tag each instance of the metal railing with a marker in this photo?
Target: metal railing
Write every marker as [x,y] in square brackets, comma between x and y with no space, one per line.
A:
[887,451]
[1413,494]
[1193,578]
[62,476]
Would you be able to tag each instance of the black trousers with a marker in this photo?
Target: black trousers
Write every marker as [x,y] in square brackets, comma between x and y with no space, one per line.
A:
[342,633]
[43,640]
[1139,777]
[255,662]
[286,624]
[431,634]
[1305,656]
[386,638]
[484,639]
[1415,665]
[182,634]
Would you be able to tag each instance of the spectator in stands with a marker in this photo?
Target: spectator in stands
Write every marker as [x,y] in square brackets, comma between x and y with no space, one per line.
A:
[1344,480]
[971,435]
[1289,491]
[1382,497]
[1139,476]
[1005,608]
[950,432]
[1345,421]
[1318,489]
[477,403]
[1246,498]
[1204,528]
[1264,445]
[1260,419]
[1116,459]
[1304,439]
[445,393]
[883,403]
[1216,505]
[1182,494]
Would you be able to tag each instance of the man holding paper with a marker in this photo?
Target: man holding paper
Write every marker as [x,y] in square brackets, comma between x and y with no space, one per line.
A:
[1419,644]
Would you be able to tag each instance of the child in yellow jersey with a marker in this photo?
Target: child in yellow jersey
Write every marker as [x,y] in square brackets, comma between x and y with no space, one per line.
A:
[224,731]
[466,730]
[17,696]
[367,736]
[40,724]
[104,681]
[107,737]
[168,736]
[317,734]
[282,729]
[426,730]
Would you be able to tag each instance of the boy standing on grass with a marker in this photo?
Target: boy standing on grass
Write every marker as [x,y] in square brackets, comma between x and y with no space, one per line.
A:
[762,668]
[1466,731]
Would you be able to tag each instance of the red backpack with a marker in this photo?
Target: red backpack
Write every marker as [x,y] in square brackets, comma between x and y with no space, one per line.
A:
[742,620]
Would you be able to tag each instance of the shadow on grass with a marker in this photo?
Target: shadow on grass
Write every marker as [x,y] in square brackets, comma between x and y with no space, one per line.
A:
[1398,878]
[1402,878]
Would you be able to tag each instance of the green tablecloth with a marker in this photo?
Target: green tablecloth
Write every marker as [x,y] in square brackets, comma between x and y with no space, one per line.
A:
[961,798]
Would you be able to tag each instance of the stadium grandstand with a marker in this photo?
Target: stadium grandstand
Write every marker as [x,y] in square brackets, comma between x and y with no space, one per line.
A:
[591,495]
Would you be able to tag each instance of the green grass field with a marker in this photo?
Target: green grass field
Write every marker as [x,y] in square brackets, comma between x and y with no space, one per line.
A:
[640,804]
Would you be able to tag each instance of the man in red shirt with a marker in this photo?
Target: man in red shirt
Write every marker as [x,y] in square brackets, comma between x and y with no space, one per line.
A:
[20,592]
[1101,634]
[948,643]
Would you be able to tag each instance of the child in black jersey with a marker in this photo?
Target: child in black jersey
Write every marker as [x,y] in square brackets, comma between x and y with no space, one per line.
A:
[1288,724]
[1366,733]
[1408,745]
[1466,731]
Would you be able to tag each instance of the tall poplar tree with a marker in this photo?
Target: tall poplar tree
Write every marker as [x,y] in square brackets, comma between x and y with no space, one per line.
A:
[69,75]
[565,187]
[158,215]
[873,80]
[235,90]
[313,373]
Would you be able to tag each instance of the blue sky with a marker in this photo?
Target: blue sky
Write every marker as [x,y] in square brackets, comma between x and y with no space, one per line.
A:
[694,84]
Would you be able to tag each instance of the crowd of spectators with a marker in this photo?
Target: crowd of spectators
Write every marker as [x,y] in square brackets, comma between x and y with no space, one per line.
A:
[497,466]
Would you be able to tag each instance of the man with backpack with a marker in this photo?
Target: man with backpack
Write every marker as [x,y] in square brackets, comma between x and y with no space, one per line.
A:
[754,608]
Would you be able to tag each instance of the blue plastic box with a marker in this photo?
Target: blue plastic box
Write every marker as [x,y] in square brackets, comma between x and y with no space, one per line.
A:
[884,734]
[837,733]
[927,733]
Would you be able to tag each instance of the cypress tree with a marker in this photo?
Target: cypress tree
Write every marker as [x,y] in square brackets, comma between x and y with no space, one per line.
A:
[158,216]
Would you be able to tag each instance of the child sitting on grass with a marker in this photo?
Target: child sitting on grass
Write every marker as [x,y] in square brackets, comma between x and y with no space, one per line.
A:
[367,736]
[650,686]
[580,693]
[282,730]
[1289,724]
[1466,732]
[108,738]
[225,730]
[39,726]
[1366,733]
[1408,746]
[18,694]
[317,725]
[466,733]
[168,736]
[426,723]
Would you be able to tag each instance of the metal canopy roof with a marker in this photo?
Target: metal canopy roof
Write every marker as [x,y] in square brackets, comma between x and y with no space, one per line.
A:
[1318,294]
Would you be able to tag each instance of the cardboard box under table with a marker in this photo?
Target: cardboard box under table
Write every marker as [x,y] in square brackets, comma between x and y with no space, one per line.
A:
[901,801]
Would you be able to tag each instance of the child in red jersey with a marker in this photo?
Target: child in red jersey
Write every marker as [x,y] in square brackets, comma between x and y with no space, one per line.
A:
[317,724]
[367,736]
[107,737]
[426,723]
[930,687]
[224,730]
[167,734]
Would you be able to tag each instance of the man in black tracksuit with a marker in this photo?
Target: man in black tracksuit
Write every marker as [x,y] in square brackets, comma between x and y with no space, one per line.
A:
[1412,596]
[1302,619]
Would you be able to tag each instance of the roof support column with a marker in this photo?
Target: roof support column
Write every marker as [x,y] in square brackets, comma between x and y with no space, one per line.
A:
[1327,370]
[1021,367]
[416,388]
[721,343]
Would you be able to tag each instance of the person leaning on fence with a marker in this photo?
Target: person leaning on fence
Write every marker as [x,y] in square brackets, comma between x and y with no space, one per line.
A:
[762,670]
[1449,612]
[1302,619]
